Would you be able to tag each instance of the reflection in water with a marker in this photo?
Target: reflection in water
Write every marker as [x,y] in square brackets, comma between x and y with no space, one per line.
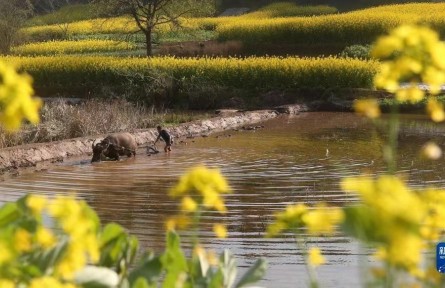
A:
[296,159]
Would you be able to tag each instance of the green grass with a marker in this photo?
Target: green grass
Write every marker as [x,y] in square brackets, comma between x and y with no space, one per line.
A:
[67,14]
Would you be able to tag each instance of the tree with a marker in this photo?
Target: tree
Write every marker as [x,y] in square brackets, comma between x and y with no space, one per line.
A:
[13,14]
[148,14]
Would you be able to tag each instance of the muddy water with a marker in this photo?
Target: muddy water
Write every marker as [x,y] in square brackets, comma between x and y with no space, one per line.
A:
[297,159]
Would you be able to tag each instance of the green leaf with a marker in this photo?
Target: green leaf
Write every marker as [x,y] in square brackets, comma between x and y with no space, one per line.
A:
[49,258]
[359,223]
[8,213]
[254,274]
[133,247]
[217,280]
[199,266]
[173,260]
[150,269]
[92,215]
[228,268]
[140,283]
[96,277]
[110,232]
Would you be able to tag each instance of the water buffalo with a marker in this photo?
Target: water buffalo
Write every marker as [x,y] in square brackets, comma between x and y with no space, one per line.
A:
[113,146]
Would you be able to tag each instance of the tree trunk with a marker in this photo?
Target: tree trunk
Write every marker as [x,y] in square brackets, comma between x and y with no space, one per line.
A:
[148,43]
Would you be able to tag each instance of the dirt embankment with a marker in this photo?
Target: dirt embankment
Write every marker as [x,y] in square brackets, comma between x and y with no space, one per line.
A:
[14,158]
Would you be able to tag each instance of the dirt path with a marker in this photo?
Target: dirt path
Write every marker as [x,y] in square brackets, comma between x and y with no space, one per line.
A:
[30,156]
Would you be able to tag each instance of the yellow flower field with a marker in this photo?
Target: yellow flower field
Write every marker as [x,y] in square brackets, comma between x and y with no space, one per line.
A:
[245,73]
[71,47]
[362,26]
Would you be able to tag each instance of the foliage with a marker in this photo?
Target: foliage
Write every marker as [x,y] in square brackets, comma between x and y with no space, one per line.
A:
[248,73]
[72,47]
[148,15]
[66,14]
[16,101]
[13,14]
[357,51]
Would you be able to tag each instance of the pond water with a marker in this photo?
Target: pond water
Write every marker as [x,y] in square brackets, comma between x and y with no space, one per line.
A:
[293,159]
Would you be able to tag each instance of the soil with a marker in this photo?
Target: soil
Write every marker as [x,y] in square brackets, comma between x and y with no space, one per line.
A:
[40,156]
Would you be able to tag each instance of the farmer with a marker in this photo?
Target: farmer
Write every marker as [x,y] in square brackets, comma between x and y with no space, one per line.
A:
[168,139]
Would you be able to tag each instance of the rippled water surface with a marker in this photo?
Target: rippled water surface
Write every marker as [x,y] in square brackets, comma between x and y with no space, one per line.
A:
[296,159]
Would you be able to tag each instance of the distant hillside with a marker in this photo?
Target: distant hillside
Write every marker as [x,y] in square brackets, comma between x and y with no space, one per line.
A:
[340,4]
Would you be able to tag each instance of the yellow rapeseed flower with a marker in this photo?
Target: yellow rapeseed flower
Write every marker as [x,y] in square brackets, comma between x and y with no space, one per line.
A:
[16,98]
[411,54]
[411,94]
[178,221]
[22,240]
[5,253]
[322,220]
[48,281]
[45,237]
[73,260]
[367,107]
[220,230]
[188,204]
[200,179]
[5,283]
[315,258]
[435,110]
[36,203]
[290,218]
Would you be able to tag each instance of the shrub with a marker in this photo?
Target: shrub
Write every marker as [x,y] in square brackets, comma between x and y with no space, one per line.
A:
[357,51]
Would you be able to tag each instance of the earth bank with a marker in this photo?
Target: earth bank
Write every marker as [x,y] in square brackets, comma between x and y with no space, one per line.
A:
[14,159]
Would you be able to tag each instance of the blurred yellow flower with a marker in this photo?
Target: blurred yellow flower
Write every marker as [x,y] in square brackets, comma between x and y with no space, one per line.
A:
[315,258]
[47,281]
[220,230]
[36,203]
[199,180]
[16,98]
[367,107]
[290,218]
[435,110]
[22,240]
[5,253]
[188,204]
[200,189]
[410,54]
[45,237]
[5,283]
[322,220]
[179,221]
[411,94]
[74,259]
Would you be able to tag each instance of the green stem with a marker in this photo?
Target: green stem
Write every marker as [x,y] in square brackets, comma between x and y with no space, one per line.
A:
[196,221]
[313,282]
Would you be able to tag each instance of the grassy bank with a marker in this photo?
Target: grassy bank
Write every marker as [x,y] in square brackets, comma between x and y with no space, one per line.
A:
[60,121]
